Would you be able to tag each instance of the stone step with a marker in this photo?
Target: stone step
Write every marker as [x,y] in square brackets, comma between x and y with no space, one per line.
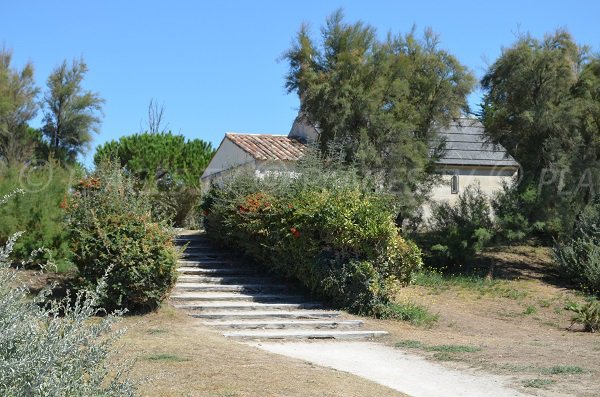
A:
[285,324]
[227,280]
[205,249]
[304,334]
[218,271]
[239,306]
[208,256]
[235,297]
[209,263]
[233,315]
[191,240]
[261,287]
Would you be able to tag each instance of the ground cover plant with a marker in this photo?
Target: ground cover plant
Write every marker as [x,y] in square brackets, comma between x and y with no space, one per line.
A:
[54,348]
[113,235]
[321,228]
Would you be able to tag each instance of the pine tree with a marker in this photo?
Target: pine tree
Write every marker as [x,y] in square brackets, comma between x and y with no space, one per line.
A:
[381,102]
[70,112]
[17,107]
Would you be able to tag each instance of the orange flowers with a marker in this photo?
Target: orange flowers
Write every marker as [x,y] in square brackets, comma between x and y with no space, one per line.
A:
[64,203]
[89,183]
[255,202]
[295,232]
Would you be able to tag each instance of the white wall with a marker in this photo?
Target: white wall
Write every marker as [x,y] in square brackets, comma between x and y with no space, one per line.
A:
[228,155]
[490,179]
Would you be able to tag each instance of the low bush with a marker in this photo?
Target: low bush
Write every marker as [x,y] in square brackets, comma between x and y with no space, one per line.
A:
[52,348]
[586,314]
[458,231]
[38,210]
[321,228]
[514,208]
[578,257]
[112,231]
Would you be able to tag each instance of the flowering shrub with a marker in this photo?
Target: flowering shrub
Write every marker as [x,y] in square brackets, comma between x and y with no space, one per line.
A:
[111,229]
[328,233]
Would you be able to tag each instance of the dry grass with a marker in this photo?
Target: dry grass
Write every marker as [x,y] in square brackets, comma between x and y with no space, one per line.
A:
[517,322]
[179,358]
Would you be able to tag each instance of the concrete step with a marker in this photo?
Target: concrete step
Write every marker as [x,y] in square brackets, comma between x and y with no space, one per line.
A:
[235,297]
[218,271]
[210,263]
[193,240]
[285,324]
[304,334]
[236,315]
[262,287]
[239,306]
[228,280]
[208,256]
[205,249]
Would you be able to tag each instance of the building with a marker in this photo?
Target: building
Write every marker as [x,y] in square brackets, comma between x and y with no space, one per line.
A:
[468,158]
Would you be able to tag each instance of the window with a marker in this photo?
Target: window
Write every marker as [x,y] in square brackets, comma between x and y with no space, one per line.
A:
[454,184]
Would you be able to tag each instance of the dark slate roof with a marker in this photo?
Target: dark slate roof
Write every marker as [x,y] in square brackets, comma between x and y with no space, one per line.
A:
[268,147]
[466,145]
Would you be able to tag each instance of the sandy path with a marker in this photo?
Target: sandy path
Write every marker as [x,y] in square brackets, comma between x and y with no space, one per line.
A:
[393,368]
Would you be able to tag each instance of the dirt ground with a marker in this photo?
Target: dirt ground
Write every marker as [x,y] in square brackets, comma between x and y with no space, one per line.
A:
[176,358]
[518,322]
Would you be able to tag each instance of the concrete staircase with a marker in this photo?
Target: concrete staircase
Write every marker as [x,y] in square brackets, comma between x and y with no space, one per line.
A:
[227,294]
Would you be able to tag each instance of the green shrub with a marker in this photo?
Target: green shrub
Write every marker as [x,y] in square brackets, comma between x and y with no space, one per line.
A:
[458,231]
[514,207]
[38,210]
[111,231]
[169,166]
[52,348]
[578,257]
[321,228]
[587,314]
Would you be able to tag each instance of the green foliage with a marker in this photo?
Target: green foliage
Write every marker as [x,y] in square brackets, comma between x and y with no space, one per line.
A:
[55,348]
[112,233]
[320,228]
[70,113]
[514,206]
[381,101]
[587,314]
[169,165]
[38,210]
[542,103]
[411,312]
[579,256]
[563,369]
[17,107]
[441,352]
[460,230]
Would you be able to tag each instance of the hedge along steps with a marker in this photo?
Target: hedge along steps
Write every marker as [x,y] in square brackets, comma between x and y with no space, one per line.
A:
[255,307]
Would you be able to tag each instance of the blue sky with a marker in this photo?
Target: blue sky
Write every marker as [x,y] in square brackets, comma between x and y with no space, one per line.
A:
[215,65]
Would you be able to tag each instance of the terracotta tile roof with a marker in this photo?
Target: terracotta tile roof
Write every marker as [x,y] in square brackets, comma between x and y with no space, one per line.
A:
[268,147]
